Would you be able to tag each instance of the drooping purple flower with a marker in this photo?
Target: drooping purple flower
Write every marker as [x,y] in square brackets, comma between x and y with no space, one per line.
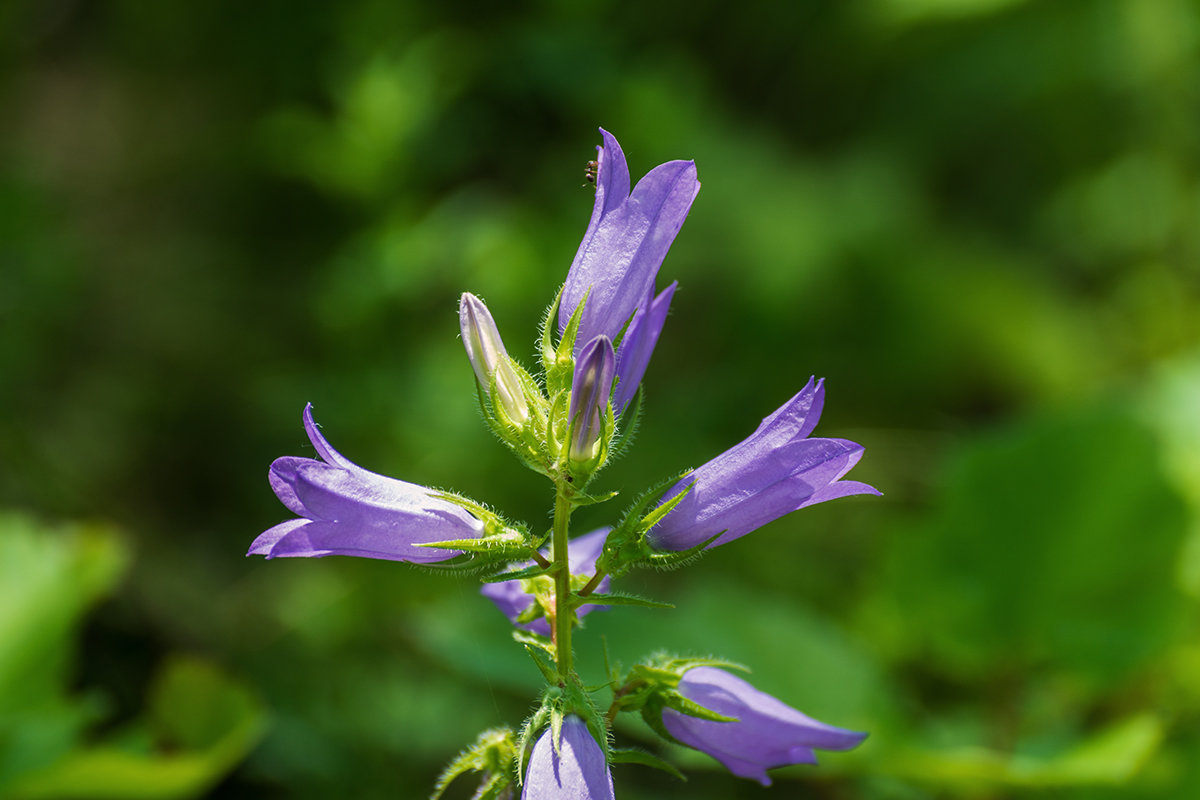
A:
[768,733]
[591,390]
[620,255]
[775,471]
[512,599]
[346,510]
[576,771]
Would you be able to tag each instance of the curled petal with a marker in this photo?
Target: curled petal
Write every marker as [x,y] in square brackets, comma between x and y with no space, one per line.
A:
[324,449]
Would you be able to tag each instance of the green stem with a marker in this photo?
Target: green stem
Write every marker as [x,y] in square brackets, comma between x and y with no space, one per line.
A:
[562,585]
[593,583]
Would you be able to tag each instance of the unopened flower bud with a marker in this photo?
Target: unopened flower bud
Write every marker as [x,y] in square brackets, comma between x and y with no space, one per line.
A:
[591,388]
[489,359]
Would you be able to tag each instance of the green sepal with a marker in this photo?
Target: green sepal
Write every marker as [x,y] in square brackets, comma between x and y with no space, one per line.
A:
[617,599]
[581,472]
[549,324]
[532,571]
[580,499]
[492,754]
[558,701]
[693,709]
[488,517]
[654,686]
[501,542]
[542,653]
[626,545]
[651,710]
[526,442]
[529,729]
[655,516]
[501,547]
[633,755]
[561,367]
[538,642]
[669,560]
[662,663]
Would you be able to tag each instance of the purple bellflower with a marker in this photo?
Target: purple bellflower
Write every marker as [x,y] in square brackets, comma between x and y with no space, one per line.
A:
[619,258]
[347,511]
[768,733]
[591,390]
[575,770]
[512,599]
[775,471]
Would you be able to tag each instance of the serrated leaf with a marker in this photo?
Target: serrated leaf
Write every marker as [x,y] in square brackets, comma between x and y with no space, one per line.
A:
[619,599]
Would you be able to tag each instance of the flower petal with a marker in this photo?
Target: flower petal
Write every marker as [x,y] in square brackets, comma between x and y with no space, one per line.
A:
[325,538]
[282,477]
[324,449]
[575,771]
[637,345]
[796,418]
[745,488]
[625,243]
[262,545]
[767,732]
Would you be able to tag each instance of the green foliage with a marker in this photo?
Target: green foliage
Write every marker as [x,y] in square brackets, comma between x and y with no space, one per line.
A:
[199,722]
[1052,546]
[975,218]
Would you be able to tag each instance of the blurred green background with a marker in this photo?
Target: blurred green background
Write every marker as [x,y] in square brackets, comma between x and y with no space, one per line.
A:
[978,219]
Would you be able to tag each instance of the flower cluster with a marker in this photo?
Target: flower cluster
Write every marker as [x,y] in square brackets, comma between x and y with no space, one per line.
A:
[566,422]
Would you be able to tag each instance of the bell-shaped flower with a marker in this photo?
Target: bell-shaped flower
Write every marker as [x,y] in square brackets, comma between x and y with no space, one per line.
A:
[621,252]
[767,733]
[591,392]
[575,770]
[775,471]
[346,510]
[489,359]
[514,600]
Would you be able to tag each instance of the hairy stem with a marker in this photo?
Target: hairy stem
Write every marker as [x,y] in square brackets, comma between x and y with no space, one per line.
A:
[562,585]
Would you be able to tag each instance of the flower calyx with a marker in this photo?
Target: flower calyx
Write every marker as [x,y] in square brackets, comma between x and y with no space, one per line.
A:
[628,545]
[492,756]
[651,687]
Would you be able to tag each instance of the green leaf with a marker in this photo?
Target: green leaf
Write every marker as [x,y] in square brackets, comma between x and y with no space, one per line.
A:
[618,599]
[633,755]
[205,721]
